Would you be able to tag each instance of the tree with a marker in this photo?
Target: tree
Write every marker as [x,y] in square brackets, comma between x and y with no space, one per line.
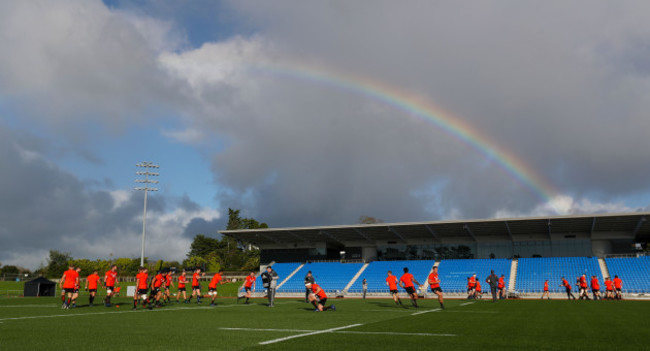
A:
[369,220]
[202,246]
[57,263]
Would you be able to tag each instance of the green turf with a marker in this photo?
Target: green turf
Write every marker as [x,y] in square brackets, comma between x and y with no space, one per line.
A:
[508,325]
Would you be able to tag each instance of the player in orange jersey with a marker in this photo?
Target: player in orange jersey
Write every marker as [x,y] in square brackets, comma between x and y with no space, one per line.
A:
[434,284]
[478,293]
[92,281]
[212,287]
[67,283]
[75,293]
[141,286]
[249,284]
[318,298]
[406,281]
[471,287]
[584,288]
[169,283]
[156,287]
[182,280]
[595,287]
[392,282]
[609,289]
[546,293]
[502,287]
[196,284]
[110,279]
[567,286]
[618,285]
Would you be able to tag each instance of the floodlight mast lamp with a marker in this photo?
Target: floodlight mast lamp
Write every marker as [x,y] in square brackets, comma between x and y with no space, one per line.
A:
[146,188]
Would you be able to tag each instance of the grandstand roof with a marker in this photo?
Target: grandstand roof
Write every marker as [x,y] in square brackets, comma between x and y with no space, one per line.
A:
[602,226]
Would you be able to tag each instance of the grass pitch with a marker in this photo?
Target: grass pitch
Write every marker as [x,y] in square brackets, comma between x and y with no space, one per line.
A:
[373,324]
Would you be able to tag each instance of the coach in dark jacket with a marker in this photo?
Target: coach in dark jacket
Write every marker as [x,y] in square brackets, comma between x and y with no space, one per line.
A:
[308,279]
[493,280]
[270,283]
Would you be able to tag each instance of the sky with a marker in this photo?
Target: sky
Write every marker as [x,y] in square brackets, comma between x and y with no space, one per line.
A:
[304,113]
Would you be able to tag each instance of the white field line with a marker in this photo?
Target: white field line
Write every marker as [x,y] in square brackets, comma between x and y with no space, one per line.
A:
[116,312]
[387,310]
[308,334]
[338,332]
[427,311]
[19,306]
[466,303]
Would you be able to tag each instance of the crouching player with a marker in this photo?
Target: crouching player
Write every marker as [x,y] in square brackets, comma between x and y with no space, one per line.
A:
[318,298]
[142,290]
[212,287]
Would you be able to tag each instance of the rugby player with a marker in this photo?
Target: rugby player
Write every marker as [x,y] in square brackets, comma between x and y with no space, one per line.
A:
[156,287]
[318,298]
[582,283]
[67,283]
[502,287]
[92,281]
[392,282]
[595,287]
[142,288]
[110,280]
[567,286]
[169,282]
[434,284]
[196,284]
[406,281]
[249,284]
[609,289]
[182,280]
[471,286]
[212,287]
[618,285]
[478,293]
[545,293]
[77,286]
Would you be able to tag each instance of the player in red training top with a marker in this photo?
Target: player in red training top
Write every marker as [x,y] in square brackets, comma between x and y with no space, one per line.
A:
[567,286]
[545,293]
[392,282]
[406,281]
[318,298]
[471,287]
[196,284]
[110,279]
[156,287]
[75,293]
[169,283]
[584,288]
[212,287]
[434,283]
[502,287]
[67,283]
[141,286]
[609,289]
[92,281]
[182,280]
[595,287]
[249,284]
[618,285]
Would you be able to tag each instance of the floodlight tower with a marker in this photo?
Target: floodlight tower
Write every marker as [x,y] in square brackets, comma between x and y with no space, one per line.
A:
[146,188]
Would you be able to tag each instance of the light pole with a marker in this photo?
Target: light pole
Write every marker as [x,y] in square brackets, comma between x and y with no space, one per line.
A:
[146,182]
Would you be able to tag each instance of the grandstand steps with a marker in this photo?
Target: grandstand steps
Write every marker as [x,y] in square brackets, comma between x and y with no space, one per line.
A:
[603,267]
[289,276]
[425,286]
[356,276]
[513,275]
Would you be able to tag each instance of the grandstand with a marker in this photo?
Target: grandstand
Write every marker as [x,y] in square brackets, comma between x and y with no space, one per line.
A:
[634,271]
[532,272]
[454,273]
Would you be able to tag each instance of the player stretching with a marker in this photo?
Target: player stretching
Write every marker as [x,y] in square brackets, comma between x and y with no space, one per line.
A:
[434,284]
[212,287]
[156,286]
[110,279]
[392,282]
[406,281]
[618,285]
[67,283]
[248,285]
[141,284]
[92,281]
[182,280]
[318,298]
[567,286]
[545,293]
[196,285]
[595,287]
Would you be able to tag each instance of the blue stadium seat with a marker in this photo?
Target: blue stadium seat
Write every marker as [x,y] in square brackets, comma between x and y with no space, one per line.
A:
[633,271]
[331,276]
[376,273]
[454,273]
[532,272]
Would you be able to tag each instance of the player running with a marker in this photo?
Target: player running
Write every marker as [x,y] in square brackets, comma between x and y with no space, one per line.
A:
[67,283]
[545,293]
[92,281]
[567,286]
[182,280]
[196,285]
[318,298]
[406,281]
[249,284]
[142,288]
[212,287]
[595,287]
[110,279]
[584,288]
[434,284]
[75,293]
[478,293]
[392,282]
[169,283]
[618,285]
[156,287]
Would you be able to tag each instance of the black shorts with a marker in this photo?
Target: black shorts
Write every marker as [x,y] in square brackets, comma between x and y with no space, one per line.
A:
[618,290]
[196,287]
[143,291]
[69,291]
[182,288]
[92,290]
[212,289]
[394,291]
[322,301]
[410,290]
[595,290]
[167,288]
[155,291]
[433,290]
[111,288]
[247,288]
[76,290]
[501,288]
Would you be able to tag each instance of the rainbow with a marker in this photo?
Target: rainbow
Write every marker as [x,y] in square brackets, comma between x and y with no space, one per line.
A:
[424,110]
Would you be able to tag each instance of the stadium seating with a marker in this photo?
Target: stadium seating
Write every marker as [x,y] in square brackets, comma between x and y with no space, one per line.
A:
[454,273]
[633,271]
[331,276]
[532,272]
[376,272]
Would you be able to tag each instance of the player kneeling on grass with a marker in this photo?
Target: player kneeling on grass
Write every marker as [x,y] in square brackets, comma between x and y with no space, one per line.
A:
[141,286]
[318,298]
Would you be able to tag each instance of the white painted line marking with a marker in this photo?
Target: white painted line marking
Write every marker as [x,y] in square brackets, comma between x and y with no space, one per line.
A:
[113,312]
[308,334]
[466,303]
[338,332]
[427,311]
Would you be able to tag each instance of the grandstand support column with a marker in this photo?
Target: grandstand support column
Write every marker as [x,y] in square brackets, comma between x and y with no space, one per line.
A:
[513,275]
